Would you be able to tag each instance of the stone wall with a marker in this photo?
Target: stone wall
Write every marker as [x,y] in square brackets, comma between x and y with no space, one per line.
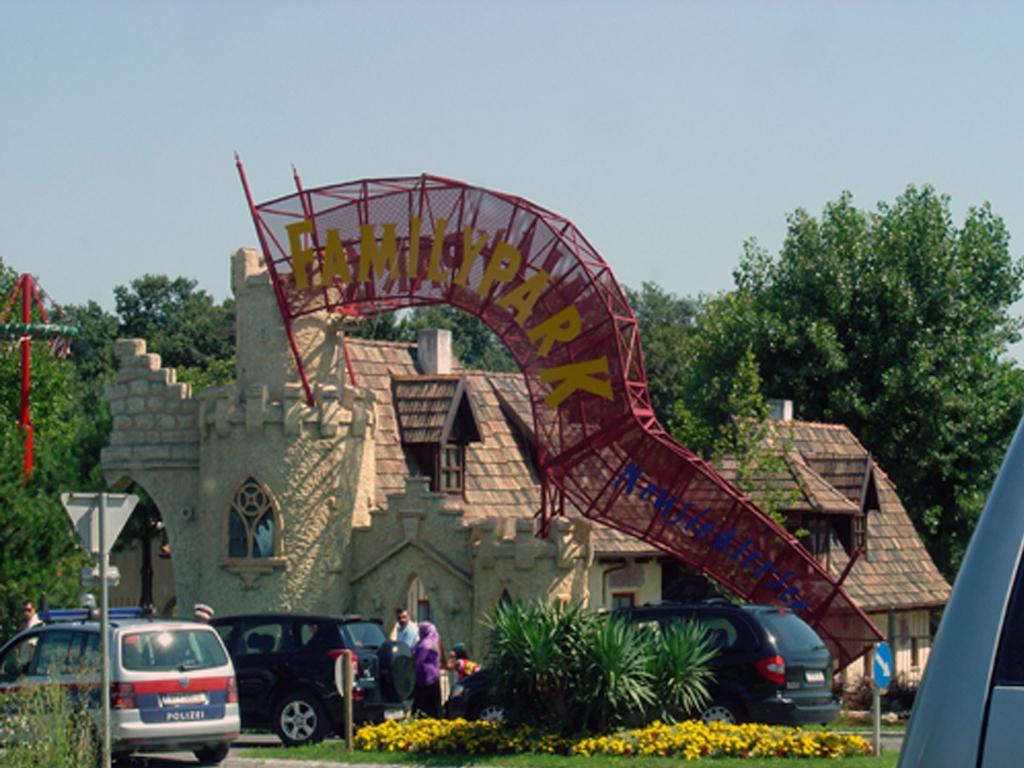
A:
[191,455]
[464,568]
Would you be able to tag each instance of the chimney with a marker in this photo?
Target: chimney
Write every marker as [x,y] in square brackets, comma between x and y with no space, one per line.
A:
[434,351]
[781,410]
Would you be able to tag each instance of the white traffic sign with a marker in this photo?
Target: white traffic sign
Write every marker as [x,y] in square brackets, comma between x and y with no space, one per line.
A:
[84,511]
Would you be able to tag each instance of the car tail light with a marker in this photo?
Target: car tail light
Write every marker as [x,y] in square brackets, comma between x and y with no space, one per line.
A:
[773,669]
[357,694]
[334,653]
[232,690]
[122,696]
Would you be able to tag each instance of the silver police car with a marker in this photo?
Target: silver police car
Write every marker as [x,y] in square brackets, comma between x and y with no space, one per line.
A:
[172,684]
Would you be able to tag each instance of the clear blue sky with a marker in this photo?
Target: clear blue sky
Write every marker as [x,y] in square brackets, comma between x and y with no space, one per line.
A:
[669,132]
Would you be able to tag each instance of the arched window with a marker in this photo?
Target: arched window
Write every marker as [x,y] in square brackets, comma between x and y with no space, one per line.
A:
[253,530]
[417,602]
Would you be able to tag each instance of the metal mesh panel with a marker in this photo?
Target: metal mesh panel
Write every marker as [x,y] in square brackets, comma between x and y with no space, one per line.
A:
[540,285]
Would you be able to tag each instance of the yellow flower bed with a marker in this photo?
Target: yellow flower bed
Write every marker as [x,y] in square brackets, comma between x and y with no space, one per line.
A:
[689,740]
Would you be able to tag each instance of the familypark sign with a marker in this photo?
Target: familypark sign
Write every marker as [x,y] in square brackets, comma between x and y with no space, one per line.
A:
[378,245]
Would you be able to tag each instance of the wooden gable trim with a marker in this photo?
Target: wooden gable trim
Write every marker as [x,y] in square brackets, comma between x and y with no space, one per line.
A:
[461,396]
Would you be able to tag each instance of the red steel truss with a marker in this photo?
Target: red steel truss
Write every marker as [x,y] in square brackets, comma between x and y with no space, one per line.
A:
[546,292]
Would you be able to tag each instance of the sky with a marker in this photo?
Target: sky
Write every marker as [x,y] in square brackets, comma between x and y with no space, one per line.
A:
[668,132]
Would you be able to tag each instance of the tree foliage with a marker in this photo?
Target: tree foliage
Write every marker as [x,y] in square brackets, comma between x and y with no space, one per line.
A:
[893,322]
[39,551]
[179,322]
[475,345]
[666,323]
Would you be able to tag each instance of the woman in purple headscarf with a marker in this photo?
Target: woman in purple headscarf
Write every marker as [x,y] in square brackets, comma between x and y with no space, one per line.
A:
[426,655]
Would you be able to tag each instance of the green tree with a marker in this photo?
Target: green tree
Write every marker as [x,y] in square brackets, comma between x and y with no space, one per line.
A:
[39,552]
[473,342]
[894,322]
[476,346]
[179,322]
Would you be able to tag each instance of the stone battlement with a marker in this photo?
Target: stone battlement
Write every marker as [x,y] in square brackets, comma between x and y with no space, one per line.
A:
[154,416]
[223,410]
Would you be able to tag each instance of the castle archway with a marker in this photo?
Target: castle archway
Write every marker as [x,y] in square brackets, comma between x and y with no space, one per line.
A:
[374,246]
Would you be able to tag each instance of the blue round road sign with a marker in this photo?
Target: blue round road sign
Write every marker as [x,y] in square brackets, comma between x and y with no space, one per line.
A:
[881,666]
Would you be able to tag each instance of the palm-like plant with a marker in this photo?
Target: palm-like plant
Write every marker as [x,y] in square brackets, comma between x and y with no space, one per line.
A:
[534,656]
[681,668]
[617,681]
[561,666]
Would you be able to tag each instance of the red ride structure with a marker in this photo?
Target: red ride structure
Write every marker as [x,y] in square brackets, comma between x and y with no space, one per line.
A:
[57,334]
[378,245]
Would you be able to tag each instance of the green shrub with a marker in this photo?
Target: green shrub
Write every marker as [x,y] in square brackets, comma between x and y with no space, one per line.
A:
[43,727]
[681,667]
[617,683]
[563,667]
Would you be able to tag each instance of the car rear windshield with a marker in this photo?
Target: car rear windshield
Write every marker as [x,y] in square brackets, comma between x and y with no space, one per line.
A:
[791,631]
[362,634]
[166,649]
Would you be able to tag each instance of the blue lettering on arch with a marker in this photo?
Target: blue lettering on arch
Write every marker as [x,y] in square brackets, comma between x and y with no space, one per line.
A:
[673,513]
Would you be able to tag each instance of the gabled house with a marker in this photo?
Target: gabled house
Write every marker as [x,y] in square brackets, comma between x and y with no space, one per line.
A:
[412,481]
[836,495]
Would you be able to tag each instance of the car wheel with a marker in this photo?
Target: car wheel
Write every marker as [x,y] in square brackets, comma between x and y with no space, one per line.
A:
[491,712]
[212,754]
[299,718]
[722,711]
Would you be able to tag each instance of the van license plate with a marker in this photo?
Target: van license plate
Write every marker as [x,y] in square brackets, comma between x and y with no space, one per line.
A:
[395,714]
[182,715]
[181,699]
[814,676]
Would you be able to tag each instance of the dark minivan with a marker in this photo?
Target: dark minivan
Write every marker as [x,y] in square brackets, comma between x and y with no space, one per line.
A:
[771,666]
[285,664]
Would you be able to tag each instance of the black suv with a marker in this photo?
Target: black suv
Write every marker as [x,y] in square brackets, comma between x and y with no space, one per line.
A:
[285,663]
[771,666]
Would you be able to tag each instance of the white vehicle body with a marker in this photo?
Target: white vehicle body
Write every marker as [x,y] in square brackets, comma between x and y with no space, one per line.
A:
[172,683]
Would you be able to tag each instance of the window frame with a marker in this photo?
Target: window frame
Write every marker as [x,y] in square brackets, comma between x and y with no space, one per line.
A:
[458,471]
[250,568]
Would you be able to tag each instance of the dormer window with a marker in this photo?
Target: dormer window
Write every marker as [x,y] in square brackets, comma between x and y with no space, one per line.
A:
[449,472]
[436,421]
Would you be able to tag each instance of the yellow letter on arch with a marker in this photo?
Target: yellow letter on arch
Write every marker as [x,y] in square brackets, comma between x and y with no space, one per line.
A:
[301,257]
[525,295]
[383,258]
[576,376]
[565,326]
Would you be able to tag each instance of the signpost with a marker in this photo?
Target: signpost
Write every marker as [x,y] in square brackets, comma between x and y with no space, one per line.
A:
[99,518]
[881,674]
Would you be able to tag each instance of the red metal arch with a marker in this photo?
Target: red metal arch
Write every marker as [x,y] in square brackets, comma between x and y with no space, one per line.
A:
[529,274]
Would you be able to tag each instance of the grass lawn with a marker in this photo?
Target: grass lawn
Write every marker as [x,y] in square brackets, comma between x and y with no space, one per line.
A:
[334,751]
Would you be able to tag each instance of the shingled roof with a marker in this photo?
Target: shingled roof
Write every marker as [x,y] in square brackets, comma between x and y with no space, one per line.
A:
[500,480]
[897,571]
[426,407]
[825,465]
[795,484]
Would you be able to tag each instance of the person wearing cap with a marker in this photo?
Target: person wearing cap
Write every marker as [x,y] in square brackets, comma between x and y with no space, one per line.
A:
[202,612]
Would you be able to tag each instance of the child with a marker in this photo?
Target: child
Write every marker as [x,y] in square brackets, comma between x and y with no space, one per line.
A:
[460,662]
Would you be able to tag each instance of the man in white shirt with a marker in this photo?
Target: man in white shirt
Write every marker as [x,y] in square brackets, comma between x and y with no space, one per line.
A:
[28,616]
[406,630]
